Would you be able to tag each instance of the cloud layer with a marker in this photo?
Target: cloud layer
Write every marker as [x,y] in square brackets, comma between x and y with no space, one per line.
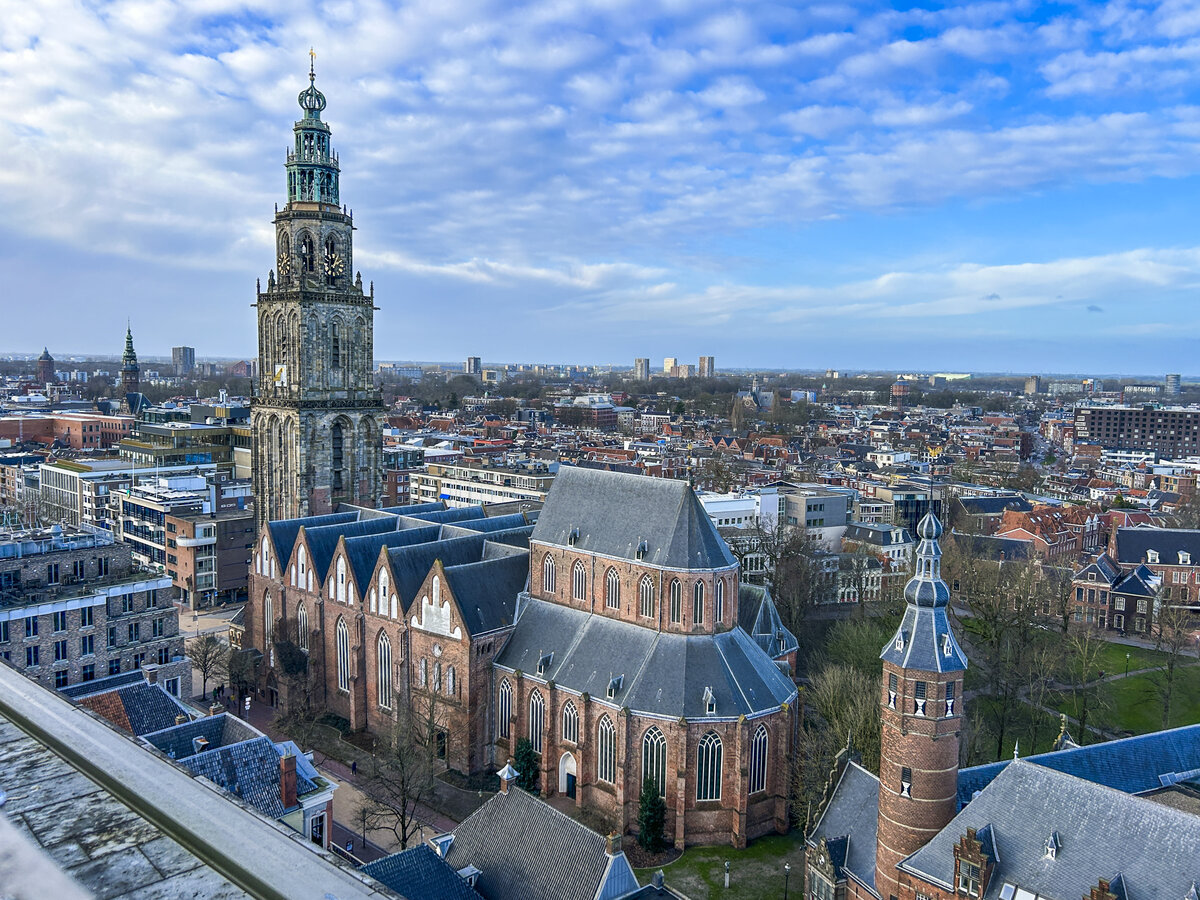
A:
[595,180]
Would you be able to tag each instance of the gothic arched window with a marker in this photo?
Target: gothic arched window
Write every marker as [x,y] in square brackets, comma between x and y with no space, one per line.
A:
[302,626]
[578,581]
[758,760]
[719,601]
[570,723]
[450,686]
[384,673]
[343,655]
[612,589]
[646,596]
[337,446]
[676,602]
[537,719]
[268,620]
[548,574]
[308,254]
[708,767]
[503,708]
[654,759]
[698,603]
[606,756]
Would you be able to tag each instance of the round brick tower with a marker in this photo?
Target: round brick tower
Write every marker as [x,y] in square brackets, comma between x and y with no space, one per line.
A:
[45,367]
[921,709]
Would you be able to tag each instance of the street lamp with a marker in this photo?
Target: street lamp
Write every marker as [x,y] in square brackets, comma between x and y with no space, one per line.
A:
[1126,665]
[787,871]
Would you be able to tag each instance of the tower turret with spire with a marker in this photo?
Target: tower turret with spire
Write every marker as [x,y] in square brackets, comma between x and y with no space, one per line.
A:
[921,703]
[129,365]
[316,413]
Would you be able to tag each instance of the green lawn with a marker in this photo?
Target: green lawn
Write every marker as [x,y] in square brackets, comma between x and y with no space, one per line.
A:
[755,873]
[1112,658]
[1133,704]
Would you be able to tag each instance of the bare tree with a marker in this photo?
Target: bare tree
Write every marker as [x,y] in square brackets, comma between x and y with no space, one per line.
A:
[1083,649]
[302,698]
[209,656]
[1174,636]
[401,775]
[848,701]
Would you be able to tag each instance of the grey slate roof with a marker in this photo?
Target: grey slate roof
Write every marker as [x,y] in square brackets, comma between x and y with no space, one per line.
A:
[988,546]
[1102,567]
[421,874]
[249,770]
[928,642]
[363,552]
[527,850]
[1141,582]
[994,506]
[284,531]
[852,813]
[1102,832]
[664,674]
[149,707]
[758,615]
[487,591]
[323,540]
[220,730]
[102,685]
[615,512]
[410,564]
[1133,765]
[1132,544]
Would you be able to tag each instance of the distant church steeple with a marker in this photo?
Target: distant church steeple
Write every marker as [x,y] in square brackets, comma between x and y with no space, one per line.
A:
[921,704]
[129,365]
[316,413]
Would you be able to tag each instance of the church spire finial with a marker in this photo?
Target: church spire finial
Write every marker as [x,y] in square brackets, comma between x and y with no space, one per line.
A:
[312,63]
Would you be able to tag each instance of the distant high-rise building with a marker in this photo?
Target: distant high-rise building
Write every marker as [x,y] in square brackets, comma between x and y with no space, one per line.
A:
[1174,385]
[1033,384]
[184,360]
[708,366]
[473,366]
[45,367]
[669,363]
[641,369]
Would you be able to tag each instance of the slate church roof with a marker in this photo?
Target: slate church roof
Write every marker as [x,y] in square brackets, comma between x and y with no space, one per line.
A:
[612,513]
[527,850]
[664,673]
[421,874]
[849,823]
[1101,833]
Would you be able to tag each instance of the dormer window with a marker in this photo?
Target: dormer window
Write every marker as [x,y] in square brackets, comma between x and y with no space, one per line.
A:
[1052,845]
[900,640]
[614,686]
[1152,556]
[642,549]
[1185,558]
[947,645]
[573,537]
[544,662]
[710,702]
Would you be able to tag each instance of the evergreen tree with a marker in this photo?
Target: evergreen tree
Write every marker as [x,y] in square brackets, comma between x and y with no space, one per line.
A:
[525,761]
[652,817]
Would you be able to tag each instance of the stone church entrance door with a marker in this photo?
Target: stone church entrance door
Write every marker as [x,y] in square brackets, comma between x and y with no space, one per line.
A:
[566,775]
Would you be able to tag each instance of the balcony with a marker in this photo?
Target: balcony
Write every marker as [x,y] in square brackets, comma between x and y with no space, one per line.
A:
[196,541]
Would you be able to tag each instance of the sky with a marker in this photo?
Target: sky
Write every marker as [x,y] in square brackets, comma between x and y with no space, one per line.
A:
[996,186]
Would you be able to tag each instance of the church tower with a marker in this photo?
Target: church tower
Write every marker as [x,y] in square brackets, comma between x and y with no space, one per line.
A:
[922,713]
[316,413]
[129,365]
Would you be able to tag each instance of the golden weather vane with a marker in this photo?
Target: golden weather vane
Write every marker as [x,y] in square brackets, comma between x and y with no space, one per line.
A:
[312,62]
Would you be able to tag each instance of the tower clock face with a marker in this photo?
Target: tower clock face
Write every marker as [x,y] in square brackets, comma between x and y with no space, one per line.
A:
[285,263]
[334,264]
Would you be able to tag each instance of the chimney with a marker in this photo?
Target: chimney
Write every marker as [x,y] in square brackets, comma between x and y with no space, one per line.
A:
[507,775]
[180,719]
[151,674]
[215,709]
[199,744]
[287,781]
[612,844]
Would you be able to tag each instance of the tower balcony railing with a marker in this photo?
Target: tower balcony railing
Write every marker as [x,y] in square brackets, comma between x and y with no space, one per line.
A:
[314,158]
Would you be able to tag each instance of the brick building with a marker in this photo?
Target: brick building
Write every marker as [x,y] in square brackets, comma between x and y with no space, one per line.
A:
[73,608]
[433,609]
[1075,822]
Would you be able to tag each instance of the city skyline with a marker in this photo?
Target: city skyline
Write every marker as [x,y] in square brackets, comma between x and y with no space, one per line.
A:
[990,187]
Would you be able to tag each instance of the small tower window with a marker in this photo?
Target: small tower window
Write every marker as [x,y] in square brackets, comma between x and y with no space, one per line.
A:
[906,782]
[919,698]
[308,255]
[338,443]
[892,687]
[949,698]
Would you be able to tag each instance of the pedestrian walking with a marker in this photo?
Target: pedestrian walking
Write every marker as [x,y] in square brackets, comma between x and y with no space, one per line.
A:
[354,767]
